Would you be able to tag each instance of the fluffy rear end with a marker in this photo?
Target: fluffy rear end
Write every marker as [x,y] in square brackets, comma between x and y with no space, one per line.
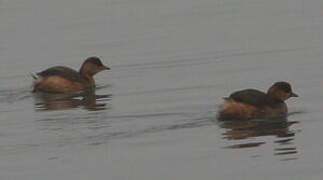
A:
[232,110]
[37,80]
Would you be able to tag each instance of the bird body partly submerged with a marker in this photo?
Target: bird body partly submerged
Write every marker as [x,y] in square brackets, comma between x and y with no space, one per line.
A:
[251,103]
[60,79]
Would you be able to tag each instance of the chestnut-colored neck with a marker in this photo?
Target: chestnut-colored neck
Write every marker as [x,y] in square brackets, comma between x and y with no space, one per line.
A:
[87,74]
[276,94]
[88,78]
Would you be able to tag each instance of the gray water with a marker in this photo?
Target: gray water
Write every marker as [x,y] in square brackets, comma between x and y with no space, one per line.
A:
[152,116]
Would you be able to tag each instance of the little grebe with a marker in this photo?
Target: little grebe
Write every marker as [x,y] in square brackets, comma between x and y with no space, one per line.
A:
[251,103]
[60,79]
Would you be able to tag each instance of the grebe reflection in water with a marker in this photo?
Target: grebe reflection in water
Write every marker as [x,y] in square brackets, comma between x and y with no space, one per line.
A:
[249,133]
[86,99]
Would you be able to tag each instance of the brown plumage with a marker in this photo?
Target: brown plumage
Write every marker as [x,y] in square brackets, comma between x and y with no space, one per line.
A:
[60,79]
[251,103]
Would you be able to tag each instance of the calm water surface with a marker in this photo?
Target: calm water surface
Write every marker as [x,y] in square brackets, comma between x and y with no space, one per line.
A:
[152,116]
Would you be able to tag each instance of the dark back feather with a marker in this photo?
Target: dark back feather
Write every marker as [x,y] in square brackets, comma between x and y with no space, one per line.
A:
[255,98]
[64,72]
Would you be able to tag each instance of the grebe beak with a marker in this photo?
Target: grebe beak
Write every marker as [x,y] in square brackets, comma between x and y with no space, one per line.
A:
[106,68]
[293,94]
